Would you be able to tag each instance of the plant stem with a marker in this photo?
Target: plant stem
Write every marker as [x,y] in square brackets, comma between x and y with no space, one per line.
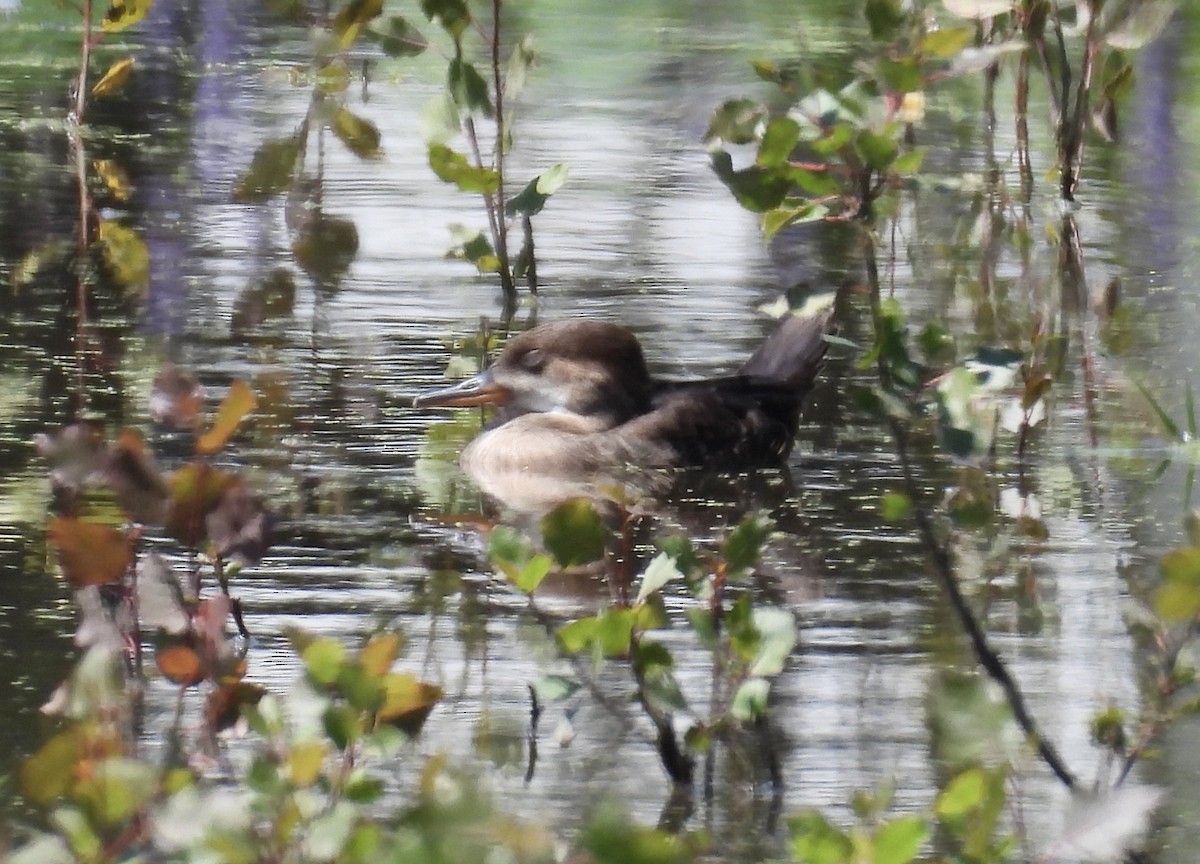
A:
[85,55]
[943,567]
[506,276]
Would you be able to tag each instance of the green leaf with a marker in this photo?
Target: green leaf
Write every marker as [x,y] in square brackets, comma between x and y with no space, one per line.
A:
[533,573]
[614,632]
[468,88]
[47,774]
[533,197]
[833,140]
[756,188]
[898,840]
[901,76]
[877,151]
[776,638]
[574,533]
[735,122]
[743,546]
[341,725]
[819,184]
[778,142]
[963,794]
[115,789]
[362,788]
[454,168]
[554,688]
[750,701]
[360,136]
[658,573]
[946,42]
[1178,597]
[577,635]
[523,58]
[271,171]
[776,220]
[815,840]
[440,121]
[910,162]
[453,15]
[399,38]
[704,626]
[362,689]
[323,661]
[510,550]
[1143,25]
[895,506]
[469,244]
[885,18]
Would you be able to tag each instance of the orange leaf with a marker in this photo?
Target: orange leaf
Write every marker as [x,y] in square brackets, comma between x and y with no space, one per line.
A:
[90,554]
[180,663]
[224,705]
[238,402]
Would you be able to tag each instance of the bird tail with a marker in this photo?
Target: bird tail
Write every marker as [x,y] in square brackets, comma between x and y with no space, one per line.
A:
[792,355]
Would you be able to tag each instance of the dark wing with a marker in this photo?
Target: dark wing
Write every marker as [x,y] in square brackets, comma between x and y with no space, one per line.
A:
[746,419]
[727,423]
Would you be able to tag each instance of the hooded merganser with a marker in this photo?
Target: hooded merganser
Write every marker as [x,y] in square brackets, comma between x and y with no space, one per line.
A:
[578,404]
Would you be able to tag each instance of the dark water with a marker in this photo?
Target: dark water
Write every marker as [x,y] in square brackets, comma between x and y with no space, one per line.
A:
[645,235]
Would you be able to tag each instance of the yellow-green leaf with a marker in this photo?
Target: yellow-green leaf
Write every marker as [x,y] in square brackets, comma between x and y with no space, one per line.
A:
[47,773]
[238,402]
[115,78]
[304,763]
[125,254]
[359,135]
[351,17]
[125,13]
[114,178]
[378,655]
[408,701]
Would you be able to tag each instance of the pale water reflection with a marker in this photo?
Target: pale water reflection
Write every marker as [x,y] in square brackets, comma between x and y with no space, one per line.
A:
[643,234]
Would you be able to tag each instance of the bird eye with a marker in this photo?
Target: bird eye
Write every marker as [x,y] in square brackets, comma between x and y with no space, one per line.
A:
[533,360]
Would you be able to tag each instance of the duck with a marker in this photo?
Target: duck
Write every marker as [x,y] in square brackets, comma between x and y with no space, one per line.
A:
[576,407]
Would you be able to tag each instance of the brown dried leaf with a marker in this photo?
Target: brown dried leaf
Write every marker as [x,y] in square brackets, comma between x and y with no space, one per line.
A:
[224,705]
[90,554]
[134,475]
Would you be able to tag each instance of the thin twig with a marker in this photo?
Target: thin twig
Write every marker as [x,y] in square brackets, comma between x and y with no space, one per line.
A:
[943,567]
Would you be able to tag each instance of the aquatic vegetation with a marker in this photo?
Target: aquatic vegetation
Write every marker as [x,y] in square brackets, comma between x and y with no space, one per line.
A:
[684,640]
